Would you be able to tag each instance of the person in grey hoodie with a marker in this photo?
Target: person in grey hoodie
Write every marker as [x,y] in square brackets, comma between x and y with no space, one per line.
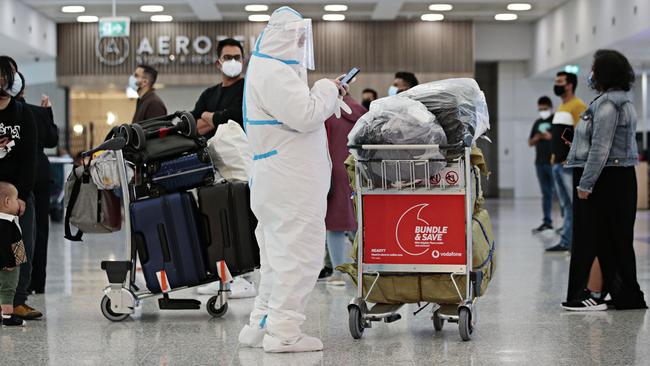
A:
[604,153]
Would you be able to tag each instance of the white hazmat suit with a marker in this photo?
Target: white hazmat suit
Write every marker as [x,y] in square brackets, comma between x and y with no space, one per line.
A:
[290,179]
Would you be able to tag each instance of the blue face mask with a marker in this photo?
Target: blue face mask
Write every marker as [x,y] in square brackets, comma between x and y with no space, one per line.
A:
[590,81]
[392,90]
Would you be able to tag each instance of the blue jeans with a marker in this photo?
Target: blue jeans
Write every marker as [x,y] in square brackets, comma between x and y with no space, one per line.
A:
[545,177]
[563,178]
[28,227]
[339,248]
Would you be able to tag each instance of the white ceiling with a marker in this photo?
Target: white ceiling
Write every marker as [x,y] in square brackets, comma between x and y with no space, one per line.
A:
[188,10]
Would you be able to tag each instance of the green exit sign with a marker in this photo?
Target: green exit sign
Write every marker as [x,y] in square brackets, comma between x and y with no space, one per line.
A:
[114,27]
[573,69]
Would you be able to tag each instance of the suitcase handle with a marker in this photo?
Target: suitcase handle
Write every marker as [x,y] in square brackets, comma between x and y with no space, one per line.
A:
[162,235]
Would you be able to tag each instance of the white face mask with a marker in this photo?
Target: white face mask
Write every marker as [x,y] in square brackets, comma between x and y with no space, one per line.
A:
[16,88]
[544,114]
[231,68]
[392,90]
[133,83]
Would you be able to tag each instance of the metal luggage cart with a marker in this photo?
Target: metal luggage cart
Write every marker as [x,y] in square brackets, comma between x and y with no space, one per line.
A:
[401,231]
[122,295]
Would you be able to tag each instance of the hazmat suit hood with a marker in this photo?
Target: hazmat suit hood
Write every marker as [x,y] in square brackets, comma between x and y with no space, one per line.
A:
[287,38]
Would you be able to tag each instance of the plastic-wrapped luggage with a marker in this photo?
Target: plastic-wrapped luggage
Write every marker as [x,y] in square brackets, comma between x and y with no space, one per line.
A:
[459,106]
[398,120]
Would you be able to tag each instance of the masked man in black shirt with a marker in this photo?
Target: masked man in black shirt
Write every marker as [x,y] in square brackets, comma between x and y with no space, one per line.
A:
[223,102]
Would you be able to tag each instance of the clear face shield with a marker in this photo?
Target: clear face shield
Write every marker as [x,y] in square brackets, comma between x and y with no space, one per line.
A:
[290,41]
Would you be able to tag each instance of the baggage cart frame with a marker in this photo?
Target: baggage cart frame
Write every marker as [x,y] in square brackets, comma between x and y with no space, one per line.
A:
[122,295]
[361,316]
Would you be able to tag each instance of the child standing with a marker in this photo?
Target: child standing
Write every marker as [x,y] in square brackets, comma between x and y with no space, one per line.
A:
[12,253]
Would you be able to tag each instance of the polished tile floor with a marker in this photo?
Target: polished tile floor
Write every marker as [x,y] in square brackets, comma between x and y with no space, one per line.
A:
[520,321]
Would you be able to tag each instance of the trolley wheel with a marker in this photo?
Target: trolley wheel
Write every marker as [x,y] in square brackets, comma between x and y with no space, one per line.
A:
[126,132]
[465,324]
[190,129]
[108,313]
[139,137]
[438,322]
[211,306]
[356,322]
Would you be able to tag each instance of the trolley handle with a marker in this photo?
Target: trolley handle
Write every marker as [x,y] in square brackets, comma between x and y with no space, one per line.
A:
[405,147]
[116,143]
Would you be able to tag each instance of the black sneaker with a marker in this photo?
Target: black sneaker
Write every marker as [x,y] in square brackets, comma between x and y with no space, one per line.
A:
[558,248]
[13,321]
[325,273]
[587,303]
[542,227]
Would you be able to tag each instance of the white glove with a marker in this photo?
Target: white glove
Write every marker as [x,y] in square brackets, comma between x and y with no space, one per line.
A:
[341,105]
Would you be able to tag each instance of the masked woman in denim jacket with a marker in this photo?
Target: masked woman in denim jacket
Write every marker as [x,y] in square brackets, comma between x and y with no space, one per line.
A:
[604,153]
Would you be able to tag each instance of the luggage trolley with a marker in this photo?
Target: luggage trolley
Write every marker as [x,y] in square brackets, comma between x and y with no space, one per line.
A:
[122,296]
[414,224]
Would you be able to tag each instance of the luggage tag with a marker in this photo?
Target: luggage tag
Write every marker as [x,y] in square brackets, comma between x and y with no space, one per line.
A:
[224,272]
[163,281]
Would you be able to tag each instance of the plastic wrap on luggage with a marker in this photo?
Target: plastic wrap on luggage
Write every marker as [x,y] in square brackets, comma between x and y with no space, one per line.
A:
[459,106]
[398,120]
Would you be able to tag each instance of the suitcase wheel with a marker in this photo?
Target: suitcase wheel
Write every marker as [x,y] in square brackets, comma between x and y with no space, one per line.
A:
[204,156]
[209,180]
[156,191]
[189,127]
[108,312]
[139,137]
[125,131]
[152,168]
[212,309]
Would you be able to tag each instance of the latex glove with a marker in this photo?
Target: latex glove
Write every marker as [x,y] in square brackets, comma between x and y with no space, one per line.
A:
[341,105]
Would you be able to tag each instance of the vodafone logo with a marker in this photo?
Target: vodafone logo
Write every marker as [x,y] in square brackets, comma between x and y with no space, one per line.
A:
[435,254]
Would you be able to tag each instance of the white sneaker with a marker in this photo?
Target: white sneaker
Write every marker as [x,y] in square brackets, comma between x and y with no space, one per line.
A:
[240,288]
[251,336]
[335,280]
[209,289]
[304,344]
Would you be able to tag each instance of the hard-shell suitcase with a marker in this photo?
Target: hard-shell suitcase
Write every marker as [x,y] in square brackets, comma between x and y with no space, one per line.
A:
[180,174]
[230,227]
[167,237]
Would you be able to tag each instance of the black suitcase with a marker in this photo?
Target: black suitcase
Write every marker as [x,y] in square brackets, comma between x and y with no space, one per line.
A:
[167,237]
[229,227]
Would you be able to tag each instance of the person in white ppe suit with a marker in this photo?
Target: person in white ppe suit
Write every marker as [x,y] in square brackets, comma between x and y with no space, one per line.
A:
[290,178]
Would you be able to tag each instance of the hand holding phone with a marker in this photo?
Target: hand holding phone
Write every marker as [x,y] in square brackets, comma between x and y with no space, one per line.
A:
[350,76]
[567,136]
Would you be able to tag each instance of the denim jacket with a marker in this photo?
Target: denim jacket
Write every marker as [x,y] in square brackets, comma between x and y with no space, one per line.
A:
[604,137]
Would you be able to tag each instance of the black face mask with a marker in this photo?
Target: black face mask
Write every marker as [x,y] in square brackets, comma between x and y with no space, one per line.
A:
[559,90]
[366,104]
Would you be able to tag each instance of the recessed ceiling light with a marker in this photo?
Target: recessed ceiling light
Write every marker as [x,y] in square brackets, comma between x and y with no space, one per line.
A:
[505,17]
[73,9]
[87,19]
[152,8]
[519,7]
[336,7]
[441,7]
[256,7]
[161,18]
[432,17]
[259,18]
[334,17]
